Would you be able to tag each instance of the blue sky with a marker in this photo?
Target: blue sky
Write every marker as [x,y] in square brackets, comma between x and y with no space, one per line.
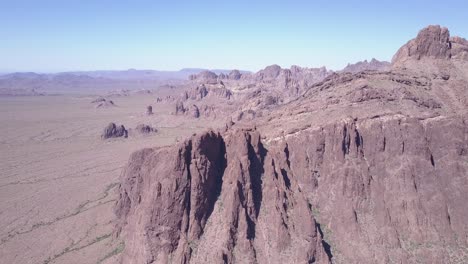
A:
[62,35]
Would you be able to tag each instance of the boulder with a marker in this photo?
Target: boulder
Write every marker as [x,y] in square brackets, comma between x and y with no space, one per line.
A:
[114,131]
[149,110]
[145,129]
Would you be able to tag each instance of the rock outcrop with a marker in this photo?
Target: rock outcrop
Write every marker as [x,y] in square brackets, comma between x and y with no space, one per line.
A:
[433,42]
[215,199]
[222,76]
[384,187]
[196,93]
[114,131]
[459,48]
[269,73]
[180,108]
[149,110]
[145,129]
[366,167]
[201,91]
[365,191]
[234,75]
[294,80]
[193,111]
[207,77]
[373,65]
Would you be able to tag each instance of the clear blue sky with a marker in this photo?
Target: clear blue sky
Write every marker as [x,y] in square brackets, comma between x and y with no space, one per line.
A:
[63,35]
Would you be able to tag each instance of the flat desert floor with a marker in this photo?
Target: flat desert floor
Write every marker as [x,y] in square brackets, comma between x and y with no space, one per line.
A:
[58,178]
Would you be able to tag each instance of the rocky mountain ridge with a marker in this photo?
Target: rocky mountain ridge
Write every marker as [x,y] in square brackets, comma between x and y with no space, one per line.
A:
[366,167]
[372,65]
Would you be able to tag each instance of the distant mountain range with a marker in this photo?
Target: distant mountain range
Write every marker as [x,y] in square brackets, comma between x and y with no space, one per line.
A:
[25,83]
[30,83]
[130,74]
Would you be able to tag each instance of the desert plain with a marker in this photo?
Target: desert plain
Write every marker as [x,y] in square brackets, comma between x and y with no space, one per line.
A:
[58,178]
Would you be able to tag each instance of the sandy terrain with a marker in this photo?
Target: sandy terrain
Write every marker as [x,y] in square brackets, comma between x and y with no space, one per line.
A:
[58,178]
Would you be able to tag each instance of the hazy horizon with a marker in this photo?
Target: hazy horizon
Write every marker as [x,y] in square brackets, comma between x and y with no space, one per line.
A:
[54,36]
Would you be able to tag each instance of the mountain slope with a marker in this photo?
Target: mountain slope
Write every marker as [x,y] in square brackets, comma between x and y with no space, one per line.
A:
[368,167]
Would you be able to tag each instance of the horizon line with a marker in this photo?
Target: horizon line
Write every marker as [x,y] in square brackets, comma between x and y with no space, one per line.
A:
[10,71]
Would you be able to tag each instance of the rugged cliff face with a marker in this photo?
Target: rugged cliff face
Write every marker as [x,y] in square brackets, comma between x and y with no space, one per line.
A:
[216,199]
[369,167]
[383,190]
[387,190]
[433,42]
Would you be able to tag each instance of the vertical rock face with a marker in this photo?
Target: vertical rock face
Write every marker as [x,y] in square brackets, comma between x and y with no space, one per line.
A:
[194,111]
[216,199]
[371,191]
[196,93]
[179,108]
[200,92]
[433,42]
[388,190]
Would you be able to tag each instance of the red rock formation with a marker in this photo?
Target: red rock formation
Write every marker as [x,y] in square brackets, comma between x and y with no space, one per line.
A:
[433,42]
[145,129]
[196,93]
[193,111]
[179,108]
[114,131]
[215,199]
[360,168]
[387,189]
[382,189]
[201,91]
[373,65]
[207,77]
[149,110]
[234,75]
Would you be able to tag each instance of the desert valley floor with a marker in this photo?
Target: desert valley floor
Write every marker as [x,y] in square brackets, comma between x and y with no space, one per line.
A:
[58,178]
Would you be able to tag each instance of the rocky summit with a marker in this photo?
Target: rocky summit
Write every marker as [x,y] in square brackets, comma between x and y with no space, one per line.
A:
[359,166]
[433,42]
